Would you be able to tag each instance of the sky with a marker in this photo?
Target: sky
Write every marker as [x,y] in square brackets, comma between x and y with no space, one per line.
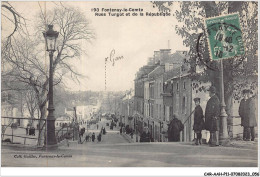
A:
[134,39]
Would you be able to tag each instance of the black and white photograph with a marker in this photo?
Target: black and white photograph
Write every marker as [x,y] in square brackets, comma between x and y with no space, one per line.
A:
[130,84]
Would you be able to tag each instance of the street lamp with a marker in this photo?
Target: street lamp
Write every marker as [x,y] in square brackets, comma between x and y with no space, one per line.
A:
[50,40]
[223,134]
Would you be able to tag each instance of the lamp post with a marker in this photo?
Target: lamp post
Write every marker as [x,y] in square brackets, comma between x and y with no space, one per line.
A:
[136,131]
[50,40]
[223,134]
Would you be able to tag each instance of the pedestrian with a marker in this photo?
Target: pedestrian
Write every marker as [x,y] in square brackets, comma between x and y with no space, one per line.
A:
[252,115]
[82,131]
[174,129]
[148,137]
[144,137]
[212,113]
[93,137]
[99,137]
[121,130]
[242,111]
[67,137]
[104,131]
[249,116]
[32,129]
[198,125]
[97,126]
[27,129]
[132,133]
[87,138]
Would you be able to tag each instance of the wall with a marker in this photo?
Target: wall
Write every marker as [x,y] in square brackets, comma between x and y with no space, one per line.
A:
[182,101]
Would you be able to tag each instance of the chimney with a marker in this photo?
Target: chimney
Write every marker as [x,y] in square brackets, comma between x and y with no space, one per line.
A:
[156,56]
[164,55]
[151,61]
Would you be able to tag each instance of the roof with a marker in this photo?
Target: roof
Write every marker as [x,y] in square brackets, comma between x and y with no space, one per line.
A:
[158,71]
[144,71]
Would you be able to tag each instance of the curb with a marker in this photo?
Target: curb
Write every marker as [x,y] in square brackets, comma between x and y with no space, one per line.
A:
[33,147]
[20,146]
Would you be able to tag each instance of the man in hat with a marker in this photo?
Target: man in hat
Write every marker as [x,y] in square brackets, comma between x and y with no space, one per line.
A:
[252,115]
[198,125]
[212,113]
[242,111]
[249,117]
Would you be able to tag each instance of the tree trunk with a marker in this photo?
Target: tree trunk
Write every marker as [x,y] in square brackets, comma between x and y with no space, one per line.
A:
[42,125]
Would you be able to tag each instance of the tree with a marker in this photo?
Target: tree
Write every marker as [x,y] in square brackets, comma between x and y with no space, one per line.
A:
[237,71]
[27,61]
[10,14]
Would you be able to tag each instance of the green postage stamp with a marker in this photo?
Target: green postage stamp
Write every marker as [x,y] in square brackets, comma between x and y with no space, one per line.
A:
[224,36]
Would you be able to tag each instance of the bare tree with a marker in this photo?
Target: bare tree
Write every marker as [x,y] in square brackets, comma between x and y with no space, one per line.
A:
[27,61]
[31,102]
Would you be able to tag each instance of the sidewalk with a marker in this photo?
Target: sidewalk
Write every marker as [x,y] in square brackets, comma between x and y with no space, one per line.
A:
[237,143]
[234,143]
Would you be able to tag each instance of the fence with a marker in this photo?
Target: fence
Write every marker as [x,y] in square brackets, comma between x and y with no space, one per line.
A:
[21,134]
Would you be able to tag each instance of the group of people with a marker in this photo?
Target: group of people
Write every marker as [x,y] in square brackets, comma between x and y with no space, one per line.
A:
[99,136]
[145,136]
[92,137]
[29,130]
[211,124]
[212,117]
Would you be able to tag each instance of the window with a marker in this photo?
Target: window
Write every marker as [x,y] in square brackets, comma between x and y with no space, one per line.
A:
[177,103]
[177,86]
[160,111]
[184,105]
[171,111]
[157,107]
[160,88]
[184,85]
[152,109]
[164,112]
[167,113]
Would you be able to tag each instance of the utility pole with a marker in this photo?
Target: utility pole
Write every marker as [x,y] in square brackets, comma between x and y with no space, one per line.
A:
[76,126]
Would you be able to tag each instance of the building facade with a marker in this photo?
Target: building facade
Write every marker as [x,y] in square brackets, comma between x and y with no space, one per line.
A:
[166,90]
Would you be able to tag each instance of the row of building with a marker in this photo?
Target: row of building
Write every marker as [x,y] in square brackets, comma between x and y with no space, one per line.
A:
[163,87]
[167,85]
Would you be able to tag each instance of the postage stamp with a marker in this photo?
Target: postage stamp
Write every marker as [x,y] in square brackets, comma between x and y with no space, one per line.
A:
[224,37]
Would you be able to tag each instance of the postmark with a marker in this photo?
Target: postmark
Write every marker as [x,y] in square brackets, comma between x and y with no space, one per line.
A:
[224,37]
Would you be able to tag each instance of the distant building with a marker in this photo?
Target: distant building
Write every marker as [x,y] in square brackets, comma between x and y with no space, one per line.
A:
[162,93]
[156,102]
[140,79]
[63,121]
[127,109]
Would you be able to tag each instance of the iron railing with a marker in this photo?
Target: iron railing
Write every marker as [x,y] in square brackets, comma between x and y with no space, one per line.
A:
[20,132]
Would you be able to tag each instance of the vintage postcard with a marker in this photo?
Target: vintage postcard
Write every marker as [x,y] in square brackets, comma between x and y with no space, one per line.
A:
[130,84]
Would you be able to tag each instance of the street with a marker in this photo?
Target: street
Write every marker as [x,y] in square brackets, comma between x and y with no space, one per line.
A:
[115,151]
